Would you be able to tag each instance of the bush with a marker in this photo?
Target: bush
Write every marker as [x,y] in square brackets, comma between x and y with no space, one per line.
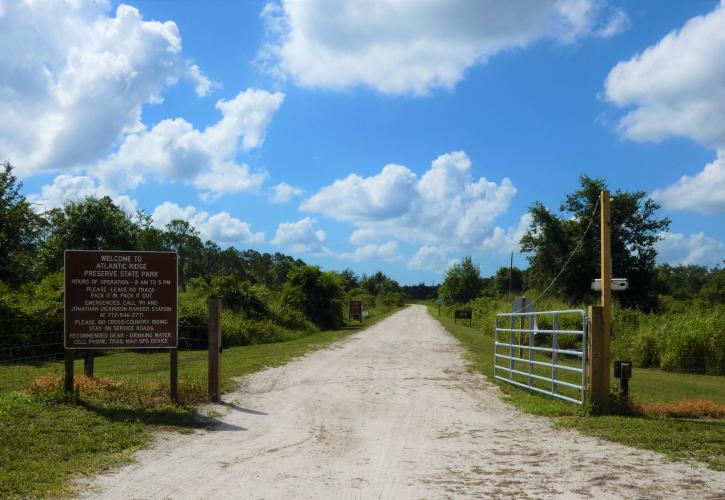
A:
[319,295]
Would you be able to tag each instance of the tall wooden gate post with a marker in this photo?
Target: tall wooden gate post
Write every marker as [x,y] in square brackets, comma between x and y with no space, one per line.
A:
[215,343]
[598,359]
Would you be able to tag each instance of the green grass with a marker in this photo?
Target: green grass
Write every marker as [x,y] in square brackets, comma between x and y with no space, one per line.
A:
[46,440]
[701,440]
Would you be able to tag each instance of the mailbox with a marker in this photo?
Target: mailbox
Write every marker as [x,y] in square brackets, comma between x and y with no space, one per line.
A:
[623,371]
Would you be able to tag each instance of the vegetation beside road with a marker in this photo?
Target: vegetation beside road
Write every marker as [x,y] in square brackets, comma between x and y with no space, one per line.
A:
[679,438]
[46,440]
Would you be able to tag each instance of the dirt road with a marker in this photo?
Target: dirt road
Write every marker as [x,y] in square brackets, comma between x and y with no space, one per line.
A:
[392,413]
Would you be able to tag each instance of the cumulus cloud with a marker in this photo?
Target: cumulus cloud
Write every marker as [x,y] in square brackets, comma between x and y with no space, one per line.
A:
[75,79]
[175,150]
[283,193]
[446,205]
[220,227]
[387,251]
[65,188]
[503,241]
[698,248]
[703,192]
[431,258]
[414,47]
[301,237]
[361,237]
[617,23]
[677,86]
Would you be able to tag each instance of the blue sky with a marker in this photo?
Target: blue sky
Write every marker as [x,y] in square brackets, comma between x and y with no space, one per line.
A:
[396,137]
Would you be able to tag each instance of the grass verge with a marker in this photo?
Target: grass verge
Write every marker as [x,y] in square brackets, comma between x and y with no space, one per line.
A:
[46,440]
[679,438]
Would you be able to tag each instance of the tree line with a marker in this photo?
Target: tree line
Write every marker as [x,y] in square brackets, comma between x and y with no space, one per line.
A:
[265,296]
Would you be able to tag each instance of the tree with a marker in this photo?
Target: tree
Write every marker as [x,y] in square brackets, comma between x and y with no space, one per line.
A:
[19,229]
[682,282]
[462,282]
[91,224]
[635,231]
[350,280]
[182,238]
[501,280]
[319,295]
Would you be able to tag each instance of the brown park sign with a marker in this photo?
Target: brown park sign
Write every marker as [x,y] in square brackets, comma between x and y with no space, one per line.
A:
[118,299]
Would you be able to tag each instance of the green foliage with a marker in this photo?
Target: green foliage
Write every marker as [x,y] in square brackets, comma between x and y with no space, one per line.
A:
[462,282]
[501,280]
[635,231]
[319,295]
[692,341]
[421,291]
[713,291]
[91,224]
[20,228]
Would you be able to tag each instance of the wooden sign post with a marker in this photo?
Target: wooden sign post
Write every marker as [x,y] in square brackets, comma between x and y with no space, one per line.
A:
[215,348]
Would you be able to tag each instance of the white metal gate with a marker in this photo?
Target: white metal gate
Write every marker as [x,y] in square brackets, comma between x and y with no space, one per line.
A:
[543,351]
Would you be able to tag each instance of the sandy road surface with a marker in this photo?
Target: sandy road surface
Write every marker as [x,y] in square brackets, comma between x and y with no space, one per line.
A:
[391,413]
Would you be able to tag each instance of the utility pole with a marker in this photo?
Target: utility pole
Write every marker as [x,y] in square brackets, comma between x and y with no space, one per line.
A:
[511,270]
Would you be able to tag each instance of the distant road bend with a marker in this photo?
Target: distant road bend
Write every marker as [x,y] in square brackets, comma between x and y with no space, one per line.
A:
[391,412]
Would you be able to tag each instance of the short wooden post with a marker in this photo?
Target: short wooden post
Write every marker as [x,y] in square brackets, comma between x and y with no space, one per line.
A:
[174,375]
[68,379]
[598,360]
[215,343]
[88,364]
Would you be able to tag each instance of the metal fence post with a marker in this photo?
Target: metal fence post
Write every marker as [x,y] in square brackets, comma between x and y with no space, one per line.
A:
[215,343]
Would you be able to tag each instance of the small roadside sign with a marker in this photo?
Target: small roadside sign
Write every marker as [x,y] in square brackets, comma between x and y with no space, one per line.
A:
[463,314]
[355,310]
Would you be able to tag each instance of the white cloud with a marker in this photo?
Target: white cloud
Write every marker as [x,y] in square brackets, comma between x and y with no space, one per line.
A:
[703,193]
[617,23]
[283,193]
[75,78]
[676,248]
[361,237]
[444,206]
[175,150]
[413,47]
[503,241]
[677,86]
[431,258]
[387,251]
[301,237]
[220,227]
[65,188]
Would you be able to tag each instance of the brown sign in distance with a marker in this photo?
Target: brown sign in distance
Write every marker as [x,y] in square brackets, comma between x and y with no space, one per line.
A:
[116,299]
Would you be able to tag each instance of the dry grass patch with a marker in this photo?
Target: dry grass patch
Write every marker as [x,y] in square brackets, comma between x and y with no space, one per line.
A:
[701,408]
